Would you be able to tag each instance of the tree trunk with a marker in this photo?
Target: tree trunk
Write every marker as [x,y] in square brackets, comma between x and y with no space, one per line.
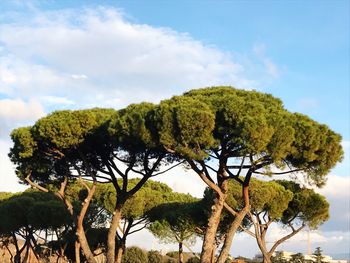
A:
[181,256]
[112,232]
[120,252]
[230,235]
[235,225]
[267,258]
[208,247]
[77,251]
[80,227]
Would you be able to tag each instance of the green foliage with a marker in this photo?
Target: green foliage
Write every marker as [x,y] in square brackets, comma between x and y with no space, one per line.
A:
[154,257]
[318,255]
[35,209]
[5,195]
[132,127]
[255,123]
[134,255]
[316,148]
[297,258]
[307,206]
[176,222]
[193,260]
[185,126]
[150,195]
[267,196]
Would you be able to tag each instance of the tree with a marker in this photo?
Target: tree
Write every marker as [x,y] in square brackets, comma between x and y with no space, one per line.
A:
[25,214]
[318,255]
[135,255]
[95,145]
[282,202]
[176,222]
[135,212]
[224,133]
[53,151]
[297,258]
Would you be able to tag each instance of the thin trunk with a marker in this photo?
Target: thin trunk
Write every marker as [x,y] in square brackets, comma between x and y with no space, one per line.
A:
[112,232]
[120,251]
[181,256]
[267,258]
[80,227]
[77,251]
[234,226]
[230,235]
[17,258]
[208,247]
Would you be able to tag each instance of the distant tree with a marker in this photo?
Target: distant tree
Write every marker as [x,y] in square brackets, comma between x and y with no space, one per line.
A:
[135,211]
[193,260]
[154,257]
[176,222]
[318,255]
[54,151]
[224,133]
[25,214]
[135,255]
[297,258]
[282,202]
[99,145]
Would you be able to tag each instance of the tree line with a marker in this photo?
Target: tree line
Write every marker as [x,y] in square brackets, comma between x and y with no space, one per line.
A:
[225,135]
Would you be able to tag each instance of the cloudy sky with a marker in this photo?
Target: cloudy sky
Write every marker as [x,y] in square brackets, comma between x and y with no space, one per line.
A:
[80,54]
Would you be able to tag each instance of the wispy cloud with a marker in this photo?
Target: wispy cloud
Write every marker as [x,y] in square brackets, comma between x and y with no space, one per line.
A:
[99,52]
[270,67]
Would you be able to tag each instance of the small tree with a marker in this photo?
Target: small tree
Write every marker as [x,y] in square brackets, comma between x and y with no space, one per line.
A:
[318,255]
[135,210]
[135,255]
[154,257]
[25,214]
[176,222]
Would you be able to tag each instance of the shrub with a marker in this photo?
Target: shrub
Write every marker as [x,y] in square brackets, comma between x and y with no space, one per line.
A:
[154,257]
[193,260]
[134,255]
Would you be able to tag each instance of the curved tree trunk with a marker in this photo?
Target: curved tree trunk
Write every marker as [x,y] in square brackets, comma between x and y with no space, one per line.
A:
[80,227]
[234,226]
[230,235]
[208,247]
[267,258]
[77,251]
[112,232]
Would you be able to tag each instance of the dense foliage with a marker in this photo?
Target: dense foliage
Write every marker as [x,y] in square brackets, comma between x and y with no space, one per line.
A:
[221,133]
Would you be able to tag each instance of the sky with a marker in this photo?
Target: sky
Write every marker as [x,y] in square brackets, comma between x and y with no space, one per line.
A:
[78,54]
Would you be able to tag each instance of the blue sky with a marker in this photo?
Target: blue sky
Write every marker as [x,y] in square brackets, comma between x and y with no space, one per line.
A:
[78,54]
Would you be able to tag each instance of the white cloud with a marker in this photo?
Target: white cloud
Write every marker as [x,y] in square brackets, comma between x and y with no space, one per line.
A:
[54,100]
[9,181]
[336,187]
[98,52]
[346,145]
[18,110]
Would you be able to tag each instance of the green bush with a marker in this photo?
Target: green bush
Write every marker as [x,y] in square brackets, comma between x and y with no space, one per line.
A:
[193,260]
[134,255]
[154,257]
[173,254]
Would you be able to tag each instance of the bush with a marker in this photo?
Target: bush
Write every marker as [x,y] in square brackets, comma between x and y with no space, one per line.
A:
[134,255]
[154,257]
[193,260]
[173,254]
